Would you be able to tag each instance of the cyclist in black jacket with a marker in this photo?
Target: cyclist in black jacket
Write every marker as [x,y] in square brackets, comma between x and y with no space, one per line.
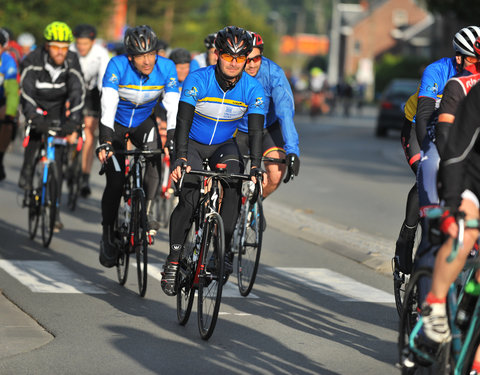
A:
[50,78]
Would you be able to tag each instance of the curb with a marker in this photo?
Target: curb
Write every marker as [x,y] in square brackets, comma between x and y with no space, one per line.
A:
[373,252]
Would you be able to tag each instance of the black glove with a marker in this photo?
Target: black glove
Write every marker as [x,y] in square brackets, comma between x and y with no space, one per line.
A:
[70,126]
[293,167]
[179,163]
[39,124]
[257,172]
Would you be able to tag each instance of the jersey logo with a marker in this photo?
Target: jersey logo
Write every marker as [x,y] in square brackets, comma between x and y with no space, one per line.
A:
[192,92]
[172,83]
[433,89]
[258,103]
[113,78]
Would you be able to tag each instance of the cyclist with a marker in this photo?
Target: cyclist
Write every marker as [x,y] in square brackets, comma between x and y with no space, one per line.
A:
[162,48]
[460,190]
[280,137]
[8,100]
[430,93]
[209,57]
[132,84]
[93,60]
[50,77]
[26,42]
[212,102]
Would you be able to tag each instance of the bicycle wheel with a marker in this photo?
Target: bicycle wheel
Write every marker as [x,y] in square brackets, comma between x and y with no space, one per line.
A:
[49,203]
[250,249]
[211,275]
[140,240]
[185,278]
[121,231]
[34,200]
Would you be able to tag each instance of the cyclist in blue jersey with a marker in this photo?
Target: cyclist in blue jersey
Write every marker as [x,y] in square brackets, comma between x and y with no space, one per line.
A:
[132,84]
[9,99]
[432,84]
[213,101]
[208,57]
[280,137]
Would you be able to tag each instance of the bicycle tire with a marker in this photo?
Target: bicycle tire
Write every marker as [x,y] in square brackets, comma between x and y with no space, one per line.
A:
[185,278]
[49,204]
[249,251]
[74,185]
[123,259]
[211,275]
[140,240]
[34,210]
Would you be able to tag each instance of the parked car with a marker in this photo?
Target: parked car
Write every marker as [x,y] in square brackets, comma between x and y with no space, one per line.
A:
[392,101]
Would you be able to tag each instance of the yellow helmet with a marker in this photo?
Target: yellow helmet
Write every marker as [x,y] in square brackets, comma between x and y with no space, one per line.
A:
[58,32]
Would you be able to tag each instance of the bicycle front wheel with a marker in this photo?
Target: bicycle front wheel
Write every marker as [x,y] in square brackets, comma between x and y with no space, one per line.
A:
[49,203]
[211,275]
[185,278]
[140,240]
[122,234]
[250,249]
[34,210]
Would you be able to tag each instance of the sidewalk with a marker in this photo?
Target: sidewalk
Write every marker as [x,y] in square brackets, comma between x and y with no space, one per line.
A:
[19,333]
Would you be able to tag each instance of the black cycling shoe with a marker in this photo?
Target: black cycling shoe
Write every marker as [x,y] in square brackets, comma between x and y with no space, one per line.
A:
[108,249]
[404,249]
[169,277]
[227,266]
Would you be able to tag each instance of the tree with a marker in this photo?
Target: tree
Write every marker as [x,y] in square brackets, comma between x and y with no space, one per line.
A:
[465,11]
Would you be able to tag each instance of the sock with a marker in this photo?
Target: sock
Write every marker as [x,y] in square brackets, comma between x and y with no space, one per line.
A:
[431,298]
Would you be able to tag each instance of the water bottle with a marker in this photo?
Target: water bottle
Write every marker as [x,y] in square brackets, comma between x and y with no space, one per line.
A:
[467,304]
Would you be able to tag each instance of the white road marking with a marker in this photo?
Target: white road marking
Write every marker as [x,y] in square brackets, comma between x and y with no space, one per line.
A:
[48,277]
[335,285]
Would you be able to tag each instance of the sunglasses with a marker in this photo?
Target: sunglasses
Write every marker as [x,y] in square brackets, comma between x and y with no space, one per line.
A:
[230,58]
[255,59]
[58,47]
[471,59]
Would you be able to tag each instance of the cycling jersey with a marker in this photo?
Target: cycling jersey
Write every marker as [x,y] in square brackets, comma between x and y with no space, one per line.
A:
[199,61]
[218,113]
[8,83]
[128,96]
[411,106]
[93,65]
[279,104]
[47,87]
[460,168]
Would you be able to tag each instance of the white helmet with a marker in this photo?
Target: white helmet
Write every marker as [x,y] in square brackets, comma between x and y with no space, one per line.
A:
[26,40]
[464,40]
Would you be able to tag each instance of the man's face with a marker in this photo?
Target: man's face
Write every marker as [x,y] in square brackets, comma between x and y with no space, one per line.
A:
[254,60]
[57,51]
[144,63]
[232,68]
[211,56]
[182,71]
[84,45]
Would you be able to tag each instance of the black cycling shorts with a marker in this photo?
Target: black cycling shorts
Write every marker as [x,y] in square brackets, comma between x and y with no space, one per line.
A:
[272,140]
[92,103]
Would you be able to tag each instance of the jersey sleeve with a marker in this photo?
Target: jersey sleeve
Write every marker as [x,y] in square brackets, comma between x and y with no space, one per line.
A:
[171,82]
[432,81]
[256,98]
[112,75]
[192,89]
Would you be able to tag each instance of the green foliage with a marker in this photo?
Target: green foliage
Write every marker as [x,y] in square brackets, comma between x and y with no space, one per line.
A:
[465,10]
[392,66]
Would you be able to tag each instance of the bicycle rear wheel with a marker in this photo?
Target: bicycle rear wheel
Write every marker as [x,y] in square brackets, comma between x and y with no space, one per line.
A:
[211,275]
[140,240]
[49,204]
[250,249]
[185,278]
[34,210]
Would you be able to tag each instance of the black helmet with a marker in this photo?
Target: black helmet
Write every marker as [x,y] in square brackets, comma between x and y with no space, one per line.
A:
[162,45]
[210,40]
[234,41]
[85,31]
[140,39]
[180,56]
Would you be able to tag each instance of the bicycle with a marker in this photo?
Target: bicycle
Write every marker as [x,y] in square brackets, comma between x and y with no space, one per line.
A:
[131,225]
[248,233]
[457,356]
[201,263]
[42,200]
[73,165]
[164,199]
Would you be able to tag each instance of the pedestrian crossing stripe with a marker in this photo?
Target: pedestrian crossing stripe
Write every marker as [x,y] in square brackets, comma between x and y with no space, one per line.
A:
[48,277]
[336,285]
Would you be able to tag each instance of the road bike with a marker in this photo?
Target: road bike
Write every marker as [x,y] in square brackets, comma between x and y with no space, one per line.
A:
[201,263]
[42,201]
[455,357]
[164,201]
[131,225]
[73,170]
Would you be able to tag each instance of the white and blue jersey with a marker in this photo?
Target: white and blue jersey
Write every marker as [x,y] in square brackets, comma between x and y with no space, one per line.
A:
[435,77]
[279,104]
[218,113]
[128,97]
